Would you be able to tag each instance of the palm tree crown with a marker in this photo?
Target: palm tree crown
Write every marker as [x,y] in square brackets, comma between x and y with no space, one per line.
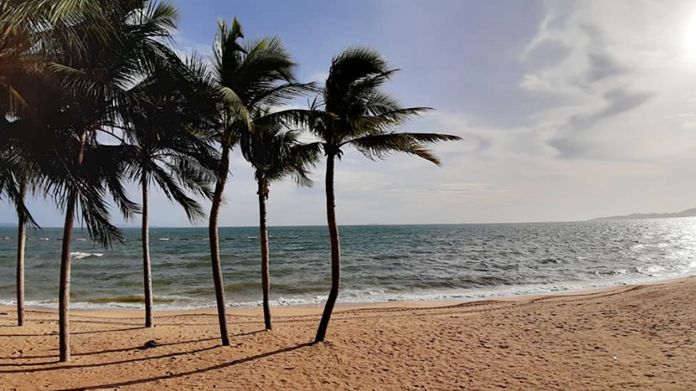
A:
[276,154]
[354,111]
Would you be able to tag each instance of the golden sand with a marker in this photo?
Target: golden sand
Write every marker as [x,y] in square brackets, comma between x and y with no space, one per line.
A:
[631,337]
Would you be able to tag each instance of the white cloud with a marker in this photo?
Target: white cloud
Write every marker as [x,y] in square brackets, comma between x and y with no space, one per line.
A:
[624,83]
[186,47]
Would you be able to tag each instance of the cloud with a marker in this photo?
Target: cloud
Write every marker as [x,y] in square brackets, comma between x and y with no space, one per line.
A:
[602,66]
[186,47]
[614,83]
[570,141]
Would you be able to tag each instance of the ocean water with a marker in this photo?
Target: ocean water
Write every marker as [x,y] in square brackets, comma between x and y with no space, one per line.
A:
[380,263]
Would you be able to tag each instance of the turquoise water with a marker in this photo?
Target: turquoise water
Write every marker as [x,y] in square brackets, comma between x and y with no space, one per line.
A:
[381,263]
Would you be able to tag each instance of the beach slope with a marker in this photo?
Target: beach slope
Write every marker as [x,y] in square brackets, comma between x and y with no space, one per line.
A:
[630,337]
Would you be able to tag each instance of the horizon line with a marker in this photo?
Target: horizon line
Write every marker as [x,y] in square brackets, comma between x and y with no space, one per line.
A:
[6,225]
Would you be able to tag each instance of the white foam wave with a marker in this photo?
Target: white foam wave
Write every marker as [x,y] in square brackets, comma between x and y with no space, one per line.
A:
[365,296]
[81,255]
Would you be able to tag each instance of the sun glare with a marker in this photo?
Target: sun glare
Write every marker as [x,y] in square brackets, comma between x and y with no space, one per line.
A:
[689,38]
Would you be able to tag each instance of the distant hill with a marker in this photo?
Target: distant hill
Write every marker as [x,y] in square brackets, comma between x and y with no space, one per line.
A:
[636,216]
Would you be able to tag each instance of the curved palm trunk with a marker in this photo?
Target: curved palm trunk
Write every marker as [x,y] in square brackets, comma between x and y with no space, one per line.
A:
[335,250]
[215,243]
[64,293]
[263,235]
[147,266]
[65,265]
[21,241]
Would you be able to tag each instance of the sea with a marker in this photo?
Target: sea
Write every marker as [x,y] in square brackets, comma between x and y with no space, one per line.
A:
[381,263]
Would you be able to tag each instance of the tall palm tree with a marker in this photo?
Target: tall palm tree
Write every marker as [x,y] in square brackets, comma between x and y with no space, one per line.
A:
[97,68]
[275,155]
[352,110]
[163,127]
[247,77]
[18,66]
[25,29]
[14,180]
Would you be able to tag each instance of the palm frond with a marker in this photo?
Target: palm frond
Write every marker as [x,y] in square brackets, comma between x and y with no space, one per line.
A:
[378,146]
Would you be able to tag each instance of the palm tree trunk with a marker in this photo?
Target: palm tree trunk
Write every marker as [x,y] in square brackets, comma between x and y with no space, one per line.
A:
[64,293]
[335,250]
[147,268]
[65,260]
[21,241]
[263,235]
[215,243]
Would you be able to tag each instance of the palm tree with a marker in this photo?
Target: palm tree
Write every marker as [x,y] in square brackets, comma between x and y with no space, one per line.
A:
[274,154]
[30,31]
[352,110]
[78,174]
[14,179]
[17,64]
[162,127]
[95,69]
[247,77]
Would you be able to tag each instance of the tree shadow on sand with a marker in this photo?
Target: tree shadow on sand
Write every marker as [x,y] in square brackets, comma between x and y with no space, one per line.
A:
[193,372]
[134,348]
[120,350]
[102,364]
[74,333]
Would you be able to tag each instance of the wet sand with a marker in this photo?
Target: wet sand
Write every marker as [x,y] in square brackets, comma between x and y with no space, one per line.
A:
[629,337]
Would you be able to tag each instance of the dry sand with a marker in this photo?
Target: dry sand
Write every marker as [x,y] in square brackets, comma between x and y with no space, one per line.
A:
[634,337]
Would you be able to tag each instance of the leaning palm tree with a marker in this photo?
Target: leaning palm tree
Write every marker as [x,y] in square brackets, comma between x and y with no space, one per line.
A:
[352,110]
[14,180]
[29,31]
[78,173]
[163,127]
[95,68]
[18,68]
[274,155]
[247,77]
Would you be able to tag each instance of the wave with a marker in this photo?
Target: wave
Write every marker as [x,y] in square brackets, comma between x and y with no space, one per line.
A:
[81,255]
[118,299]
[349,296]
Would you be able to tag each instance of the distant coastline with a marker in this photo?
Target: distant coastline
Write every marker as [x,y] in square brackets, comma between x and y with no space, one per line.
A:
[637,216]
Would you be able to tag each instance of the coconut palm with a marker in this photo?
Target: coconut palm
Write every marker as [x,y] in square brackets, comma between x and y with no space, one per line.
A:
[53,121]
[14,180]
[164,127]
[275,154]
[78,174]
[248,77]
[353,111]
[96,69]
[18,67]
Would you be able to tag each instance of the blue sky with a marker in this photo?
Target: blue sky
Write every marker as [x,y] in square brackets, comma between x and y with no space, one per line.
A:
[568,110]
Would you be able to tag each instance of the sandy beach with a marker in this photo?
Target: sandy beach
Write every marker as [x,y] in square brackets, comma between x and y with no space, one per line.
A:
[629,337]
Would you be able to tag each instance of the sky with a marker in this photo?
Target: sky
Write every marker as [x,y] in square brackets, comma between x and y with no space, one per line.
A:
[567,110]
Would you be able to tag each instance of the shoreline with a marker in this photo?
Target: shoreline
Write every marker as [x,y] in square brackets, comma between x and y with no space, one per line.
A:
[316,309]
[249,308]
